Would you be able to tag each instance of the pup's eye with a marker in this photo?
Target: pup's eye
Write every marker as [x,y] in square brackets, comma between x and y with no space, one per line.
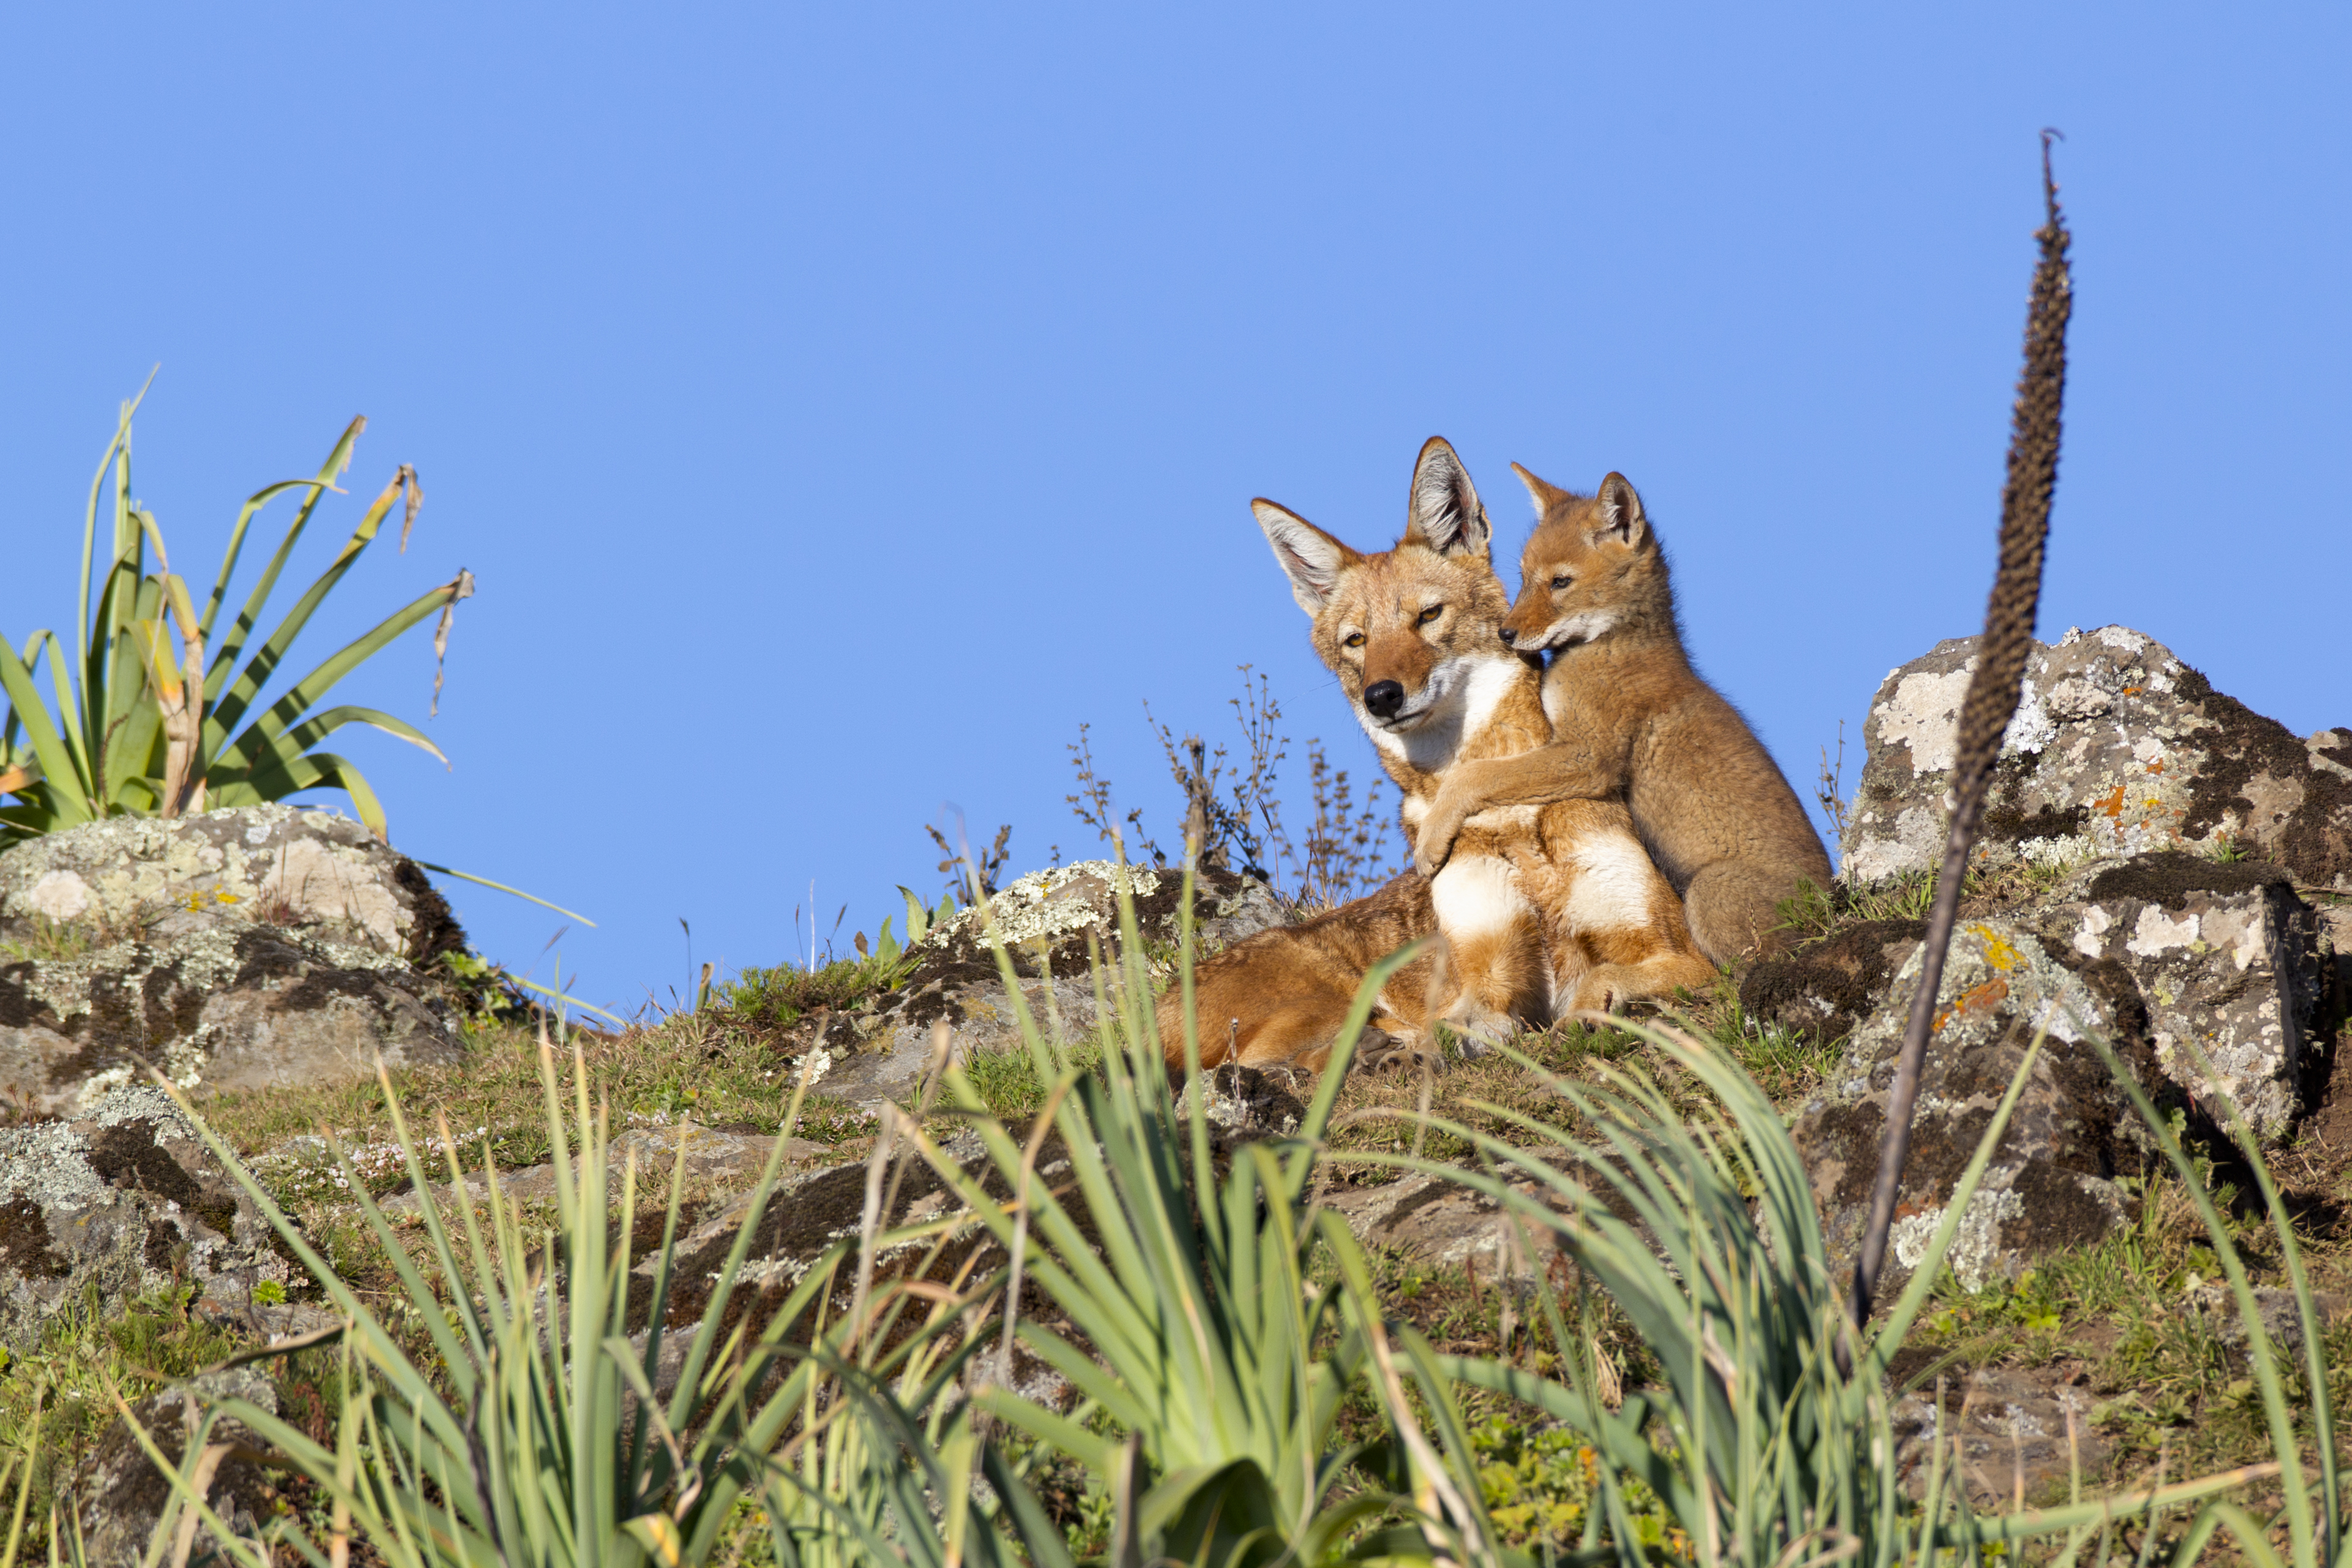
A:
[1562,581]
[1431,614]
[1353,639]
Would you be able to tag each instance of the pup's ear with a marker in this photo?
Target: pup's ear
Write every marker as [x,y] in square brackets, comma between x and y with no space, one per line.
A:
[1620,510]
[1444,510]
[1309,557]
[1540,491]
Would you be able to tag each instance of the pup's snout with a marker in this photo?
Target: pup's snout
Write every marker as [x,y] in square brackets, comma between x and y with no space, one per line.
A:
[1384,699]
[1510,637]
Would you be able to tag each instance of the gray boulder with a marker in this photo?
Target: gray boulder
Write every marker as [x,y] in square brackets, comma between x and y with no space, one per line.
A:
[2225,961]
[2117,749]
[880,1051]
[124,1201]
[2052,1181]
[2022,1432]
[239,949]
[122,1496]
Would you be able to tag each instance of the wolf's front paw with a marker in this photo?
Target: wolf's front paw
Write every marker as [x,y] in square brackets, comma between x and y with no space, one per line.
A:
[1434,845]
[1381,1051]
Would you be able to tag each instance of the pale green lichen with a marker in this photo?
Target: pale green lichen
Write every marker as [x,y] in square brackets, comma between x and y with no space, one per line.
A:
[2060,853]
[1975,1240]
[1045,906]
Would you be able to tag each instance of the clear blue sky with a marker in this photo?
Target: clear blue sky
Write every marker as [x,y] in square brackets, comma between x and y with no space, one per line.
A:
[838,406]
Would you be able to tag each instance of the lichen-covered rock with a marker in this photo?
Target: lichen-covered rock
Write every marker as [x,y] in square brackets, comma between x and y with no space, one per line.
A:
[2018,1430]
[2226,962]
[121,1202]
[1046,917]
[123,1496]
[311,871]
[240,949]
[215,1009]
[881,1051]
[1449,1224]
[2117,748]
[2051,1181]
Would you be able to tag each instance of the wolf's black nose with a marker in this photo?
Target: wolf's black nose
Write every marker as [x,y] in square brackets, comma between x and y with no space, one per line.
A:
[1383,698]
[1509,636]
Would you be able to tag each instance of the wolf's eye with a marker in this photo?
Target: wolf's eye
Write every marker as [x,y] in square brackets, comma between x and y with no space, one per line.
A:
[1353,639]
[1562,581]
[1431,614]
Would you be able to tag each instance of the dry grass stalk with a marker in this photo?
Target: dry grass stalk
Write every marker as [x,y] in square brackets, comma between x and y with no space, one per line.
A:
[1993,691]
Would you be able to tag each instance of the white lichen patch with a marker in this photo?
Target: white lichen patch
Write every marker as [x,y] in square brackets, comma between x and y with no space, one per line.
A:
[2122,638]
[2030,728]
[2060,853]
[58,895]
[1975,1241]
[2158,932]
[1923,713]
[1044,906]
[312,880]
[2091,940]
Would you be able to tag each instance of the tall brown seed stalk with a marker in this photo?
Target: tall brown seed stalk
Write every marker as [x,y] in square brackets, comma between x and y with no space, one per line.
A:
[1993,690]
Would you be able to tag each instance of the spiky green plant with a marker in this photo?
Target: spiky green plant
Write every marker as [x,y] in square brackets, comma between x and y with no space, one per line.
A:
[532,1433]
[157,704]
[1199,1338]
[1197,1334]
[2315,1510]
[1772,1451]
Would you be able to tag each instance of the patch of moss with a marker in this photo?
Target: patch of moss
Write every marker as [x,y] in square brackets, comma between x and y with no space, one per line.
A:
[127,1155]
[2169,877]
[25,1245]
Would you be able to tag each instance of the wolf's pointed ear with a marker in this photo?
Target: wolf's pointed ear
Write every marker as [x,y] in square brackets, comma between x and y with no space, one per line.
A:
[1445,510]
[1620,514]
[1540,491]
[1309,557]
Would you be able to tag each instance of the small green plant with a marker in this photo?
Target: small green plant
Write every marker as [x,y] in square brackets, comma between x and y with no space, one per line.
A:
[48,941]
[783,995]
[155,713]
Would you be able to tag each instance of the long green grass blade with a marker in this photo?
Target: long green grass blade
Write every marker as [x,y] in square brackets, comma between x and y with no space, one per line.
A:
[567,999]
[254,742]
[501,887]
[253,505]
[233,701]
[69,726]
[319,726]
[59,777]
[120,445]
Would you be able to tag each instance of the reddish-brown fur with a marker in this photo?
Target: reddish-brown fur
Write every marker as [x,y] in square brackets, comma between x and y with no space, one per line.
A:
[1634,721]
[1544,911]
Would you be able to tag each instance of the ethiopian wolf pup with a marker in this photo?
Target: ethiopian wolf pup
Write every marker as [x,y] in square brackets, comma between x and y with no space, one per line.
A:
[1544,910]
[1634,721]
